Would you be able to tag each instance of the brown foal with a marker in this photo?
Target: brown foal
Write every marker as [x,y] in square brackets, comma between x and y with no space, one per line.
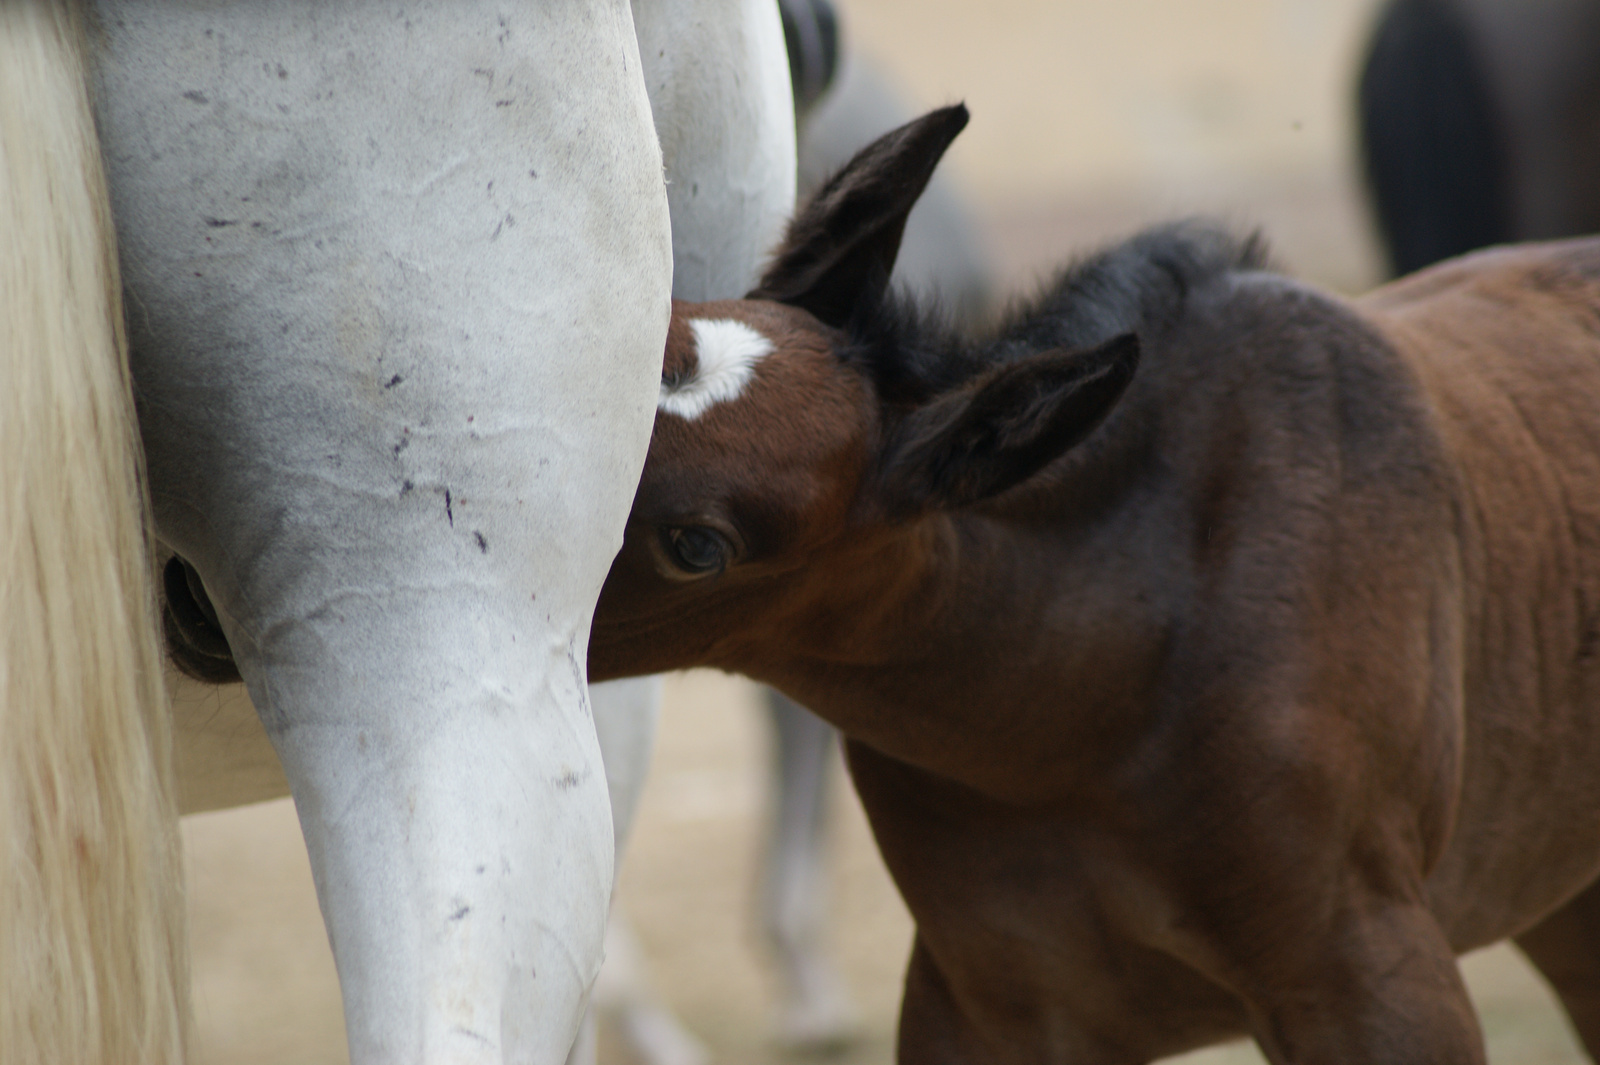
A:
[1217,656]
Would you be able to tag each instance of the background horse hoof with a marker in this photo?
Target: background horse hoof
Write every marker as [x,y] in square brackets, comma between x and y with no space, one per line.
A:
[625,996]
[816,1015]
[656,1038]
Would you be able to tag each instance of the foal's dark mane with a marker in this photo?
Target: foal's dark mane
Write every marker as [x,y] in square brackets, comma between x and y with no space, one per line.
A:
[1142,285]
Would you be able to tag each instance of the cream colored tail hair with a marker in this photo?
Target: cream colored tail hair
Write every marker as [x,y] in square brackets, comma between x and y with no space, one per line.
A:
[93,966]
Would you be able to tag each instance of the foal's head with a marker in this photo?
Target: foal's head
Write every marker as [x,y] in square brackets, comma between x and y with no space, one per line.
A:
[801,433]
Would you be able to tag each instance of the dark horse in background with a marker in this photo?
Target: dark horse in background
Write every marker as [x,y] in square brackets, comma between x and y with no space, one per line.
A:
[1480,124]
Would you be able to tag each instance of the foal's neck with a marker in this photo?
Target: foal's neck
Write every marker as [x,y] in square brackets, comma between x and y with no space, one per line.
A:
[950,644]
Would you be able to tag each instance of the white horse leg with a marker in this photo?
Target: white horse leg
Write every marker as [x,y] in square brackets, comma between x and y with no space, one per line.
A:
[586,1046]
[398,299]
[627,995]
[718,76]
[814,1005]
[625,717]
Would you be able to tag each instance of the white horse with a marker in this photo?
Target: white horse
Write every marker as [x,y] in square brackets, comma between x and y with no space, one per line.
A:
[397,281]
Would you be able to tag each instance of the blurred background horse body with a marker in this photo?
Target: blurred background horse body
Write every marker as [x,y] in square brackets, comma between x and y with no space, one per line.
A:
[1480,124]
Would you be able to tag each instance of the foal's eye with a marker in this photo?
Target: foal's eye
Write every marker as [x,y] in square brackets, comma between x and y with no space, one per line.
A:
[696,549]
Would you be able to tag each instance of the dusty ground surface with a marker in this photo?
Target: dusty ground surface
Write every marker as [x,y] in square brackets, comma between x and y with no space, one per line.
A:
[1089,118]
[266,992]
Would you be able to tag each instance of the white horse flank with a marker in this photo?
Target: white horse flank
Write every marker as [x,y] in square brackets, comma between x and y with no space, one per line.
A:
[398,293]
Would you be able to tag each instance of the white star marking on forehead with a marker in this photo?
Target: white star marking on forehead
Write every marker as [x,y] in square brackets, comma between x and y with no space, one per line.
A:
[727,352]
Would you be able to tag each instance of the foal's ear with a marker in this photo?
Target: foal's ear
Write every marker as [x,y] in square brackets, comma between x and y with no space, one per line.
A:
[975,442]
[841,246]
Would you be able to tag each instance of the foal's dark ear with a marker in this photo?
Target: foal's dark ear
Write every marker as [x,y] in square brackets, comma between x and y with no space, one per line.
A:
[841,246]
[975,442]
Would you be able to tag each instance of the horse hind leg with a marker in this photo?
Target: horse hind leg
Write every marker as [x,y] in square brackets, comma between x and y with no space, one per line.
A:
[626,995]
[1565,948]
[625,717]
[814,1007]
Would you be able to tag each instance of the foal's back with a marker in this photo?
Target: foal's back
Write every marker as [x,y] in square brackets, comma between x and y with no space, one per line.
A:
[1506,345]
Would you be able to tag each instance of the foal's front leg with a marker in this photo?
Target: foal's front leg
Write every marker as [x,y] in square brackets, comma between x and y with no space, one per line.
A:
[1379,987]
[937,1028]
[1565,947]
[1306,898]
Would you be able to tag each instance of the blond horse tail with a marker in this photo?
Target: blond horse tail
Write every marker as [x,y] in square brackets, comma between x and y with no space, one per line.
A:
[93,965]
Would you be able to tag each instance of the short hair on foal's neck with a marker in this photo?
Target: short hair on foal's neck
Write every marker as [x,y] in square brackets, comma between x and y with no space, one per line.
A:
[1140,285]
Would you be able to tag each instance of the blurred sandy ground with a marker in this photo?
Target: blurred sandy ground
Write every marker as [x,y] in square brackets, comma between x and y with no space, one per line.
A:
[1089,118]
[1092,117]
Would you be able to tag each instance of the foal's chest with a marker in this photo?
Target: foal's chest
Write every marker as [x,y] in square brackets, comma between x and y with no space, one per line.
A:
[1027,925]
